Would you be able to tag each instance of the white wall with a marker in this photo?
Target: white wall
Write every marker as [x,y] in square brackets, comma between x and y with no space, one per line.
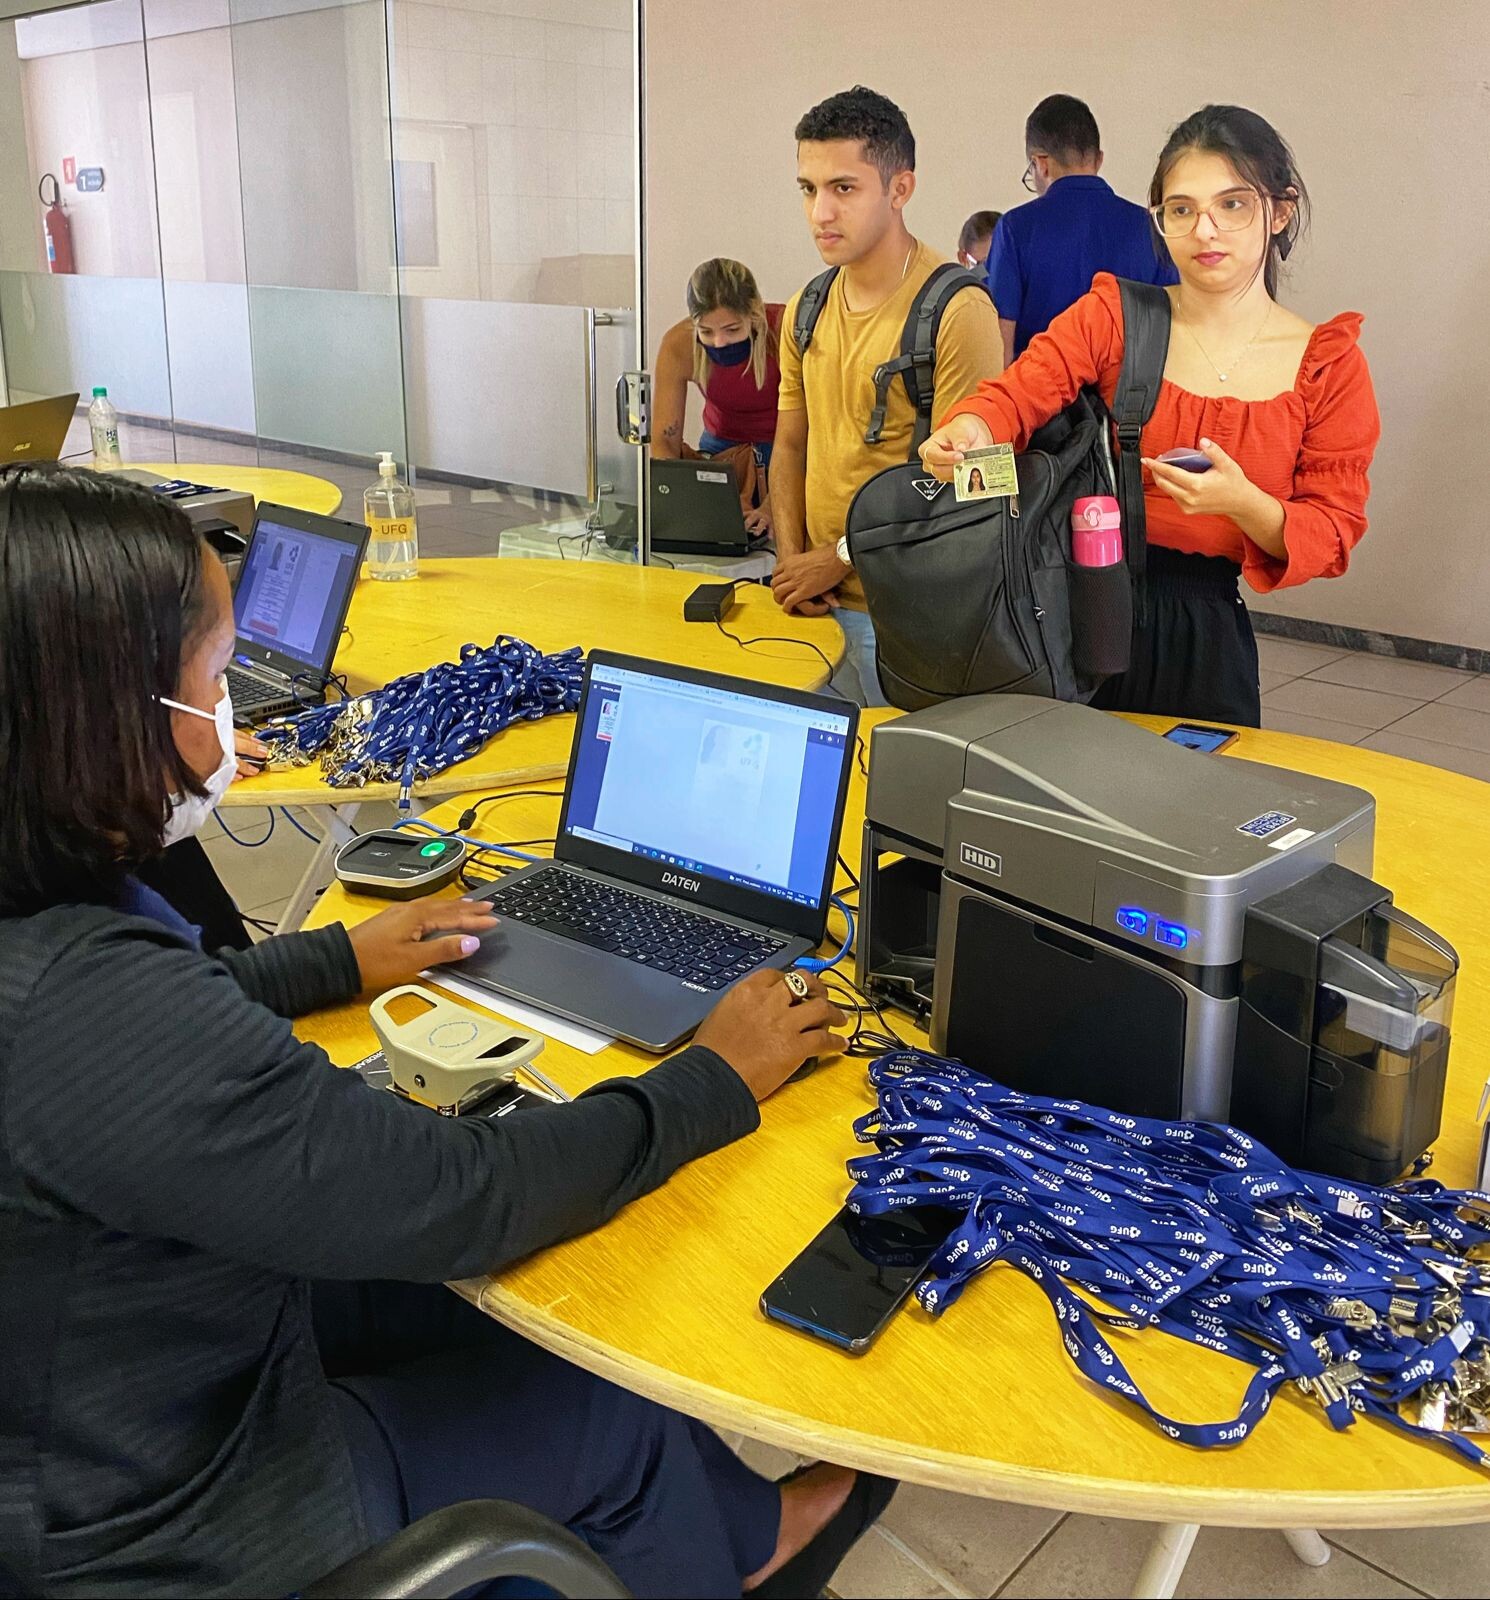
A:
[1385,102]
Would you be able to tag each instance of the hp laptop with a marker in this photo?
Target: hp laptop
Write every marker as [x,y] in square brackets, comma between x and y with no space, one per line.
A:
[35,431]
[696,843]
[290,604]
[696,510]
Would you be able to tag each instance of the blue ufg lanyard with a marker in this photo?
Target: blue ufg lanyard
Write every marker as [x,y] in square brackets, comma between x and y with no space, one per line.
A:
[1360,1295]
[421,724]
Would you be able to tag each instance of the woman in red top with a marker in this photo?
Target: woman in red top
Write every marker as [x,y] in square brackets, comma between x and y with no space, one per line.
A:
[1284,411]
[727,346]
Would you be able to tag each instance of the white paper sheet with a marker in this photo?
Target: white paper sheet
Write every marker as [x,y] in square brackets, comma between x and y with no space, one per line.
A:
[574,1034]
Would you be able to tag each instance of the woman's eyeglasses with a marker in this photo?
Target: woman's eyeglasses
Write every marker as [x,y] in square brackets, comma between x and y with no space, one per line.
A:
[1229,213]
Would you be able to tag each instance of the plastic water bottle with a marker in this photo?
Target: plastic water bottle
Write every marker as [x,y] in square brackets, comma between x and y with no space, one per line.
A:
[1101,590]
[103,424]
[1096,531]
[388,510]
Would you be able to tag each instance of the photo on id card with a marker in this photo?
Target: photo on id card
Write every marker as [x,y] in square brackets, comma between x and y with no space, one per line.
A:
[986,474]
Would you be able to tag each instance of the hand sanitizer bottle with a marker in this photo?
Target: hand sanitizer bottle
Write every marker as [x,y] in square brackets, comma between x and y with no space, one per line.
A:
[388,510]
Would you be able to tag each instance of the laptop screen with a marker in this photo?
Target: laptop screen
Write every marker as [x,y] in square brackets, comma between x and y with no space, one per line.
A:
[737,787]
[291,594]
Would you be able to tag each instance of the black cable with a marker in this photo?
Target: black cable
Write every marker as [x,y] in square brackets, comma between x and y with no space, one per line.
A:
[263,927]
[305,685]
[859,754]
[492,864]
[775,638]
[863,1042]
[468,816]
[848,872]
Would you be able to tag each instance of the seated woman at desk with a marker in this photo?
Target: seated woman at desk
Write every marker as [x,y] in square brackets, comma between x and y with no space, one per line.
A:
[228,1361]
[727,346]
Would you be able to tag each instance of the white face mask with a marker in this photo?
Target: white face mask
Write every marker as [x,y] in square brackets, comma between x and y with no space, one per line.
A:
[189,812]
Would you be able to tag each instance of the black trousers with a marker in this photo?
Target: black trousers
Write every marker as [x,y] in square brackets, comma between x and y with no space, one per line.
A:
[184,878]
[1196,657]
[440,1404]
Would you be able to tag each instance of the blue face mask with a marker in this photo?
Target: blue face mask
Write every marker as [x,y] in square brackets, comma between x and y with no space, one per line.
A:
[728,355]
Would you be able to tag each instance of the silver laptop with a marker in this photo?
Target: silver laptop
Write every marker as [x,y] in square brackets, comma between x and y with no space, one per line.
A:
[36,430]
[696,843]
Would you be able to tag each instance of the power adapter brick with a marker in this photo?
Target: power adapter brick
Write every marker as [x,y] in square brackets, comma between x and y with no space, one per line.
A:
[710,602]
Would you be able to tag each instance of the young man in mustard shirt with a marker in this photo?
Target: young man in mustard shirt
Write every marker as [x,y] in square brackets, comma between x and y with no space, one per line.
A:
[856,163]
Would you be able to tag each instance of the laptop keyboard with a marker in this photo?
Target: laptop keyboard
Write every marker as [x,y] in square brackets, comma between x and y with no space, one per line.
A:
[653,933]
[248,689]
[254,694]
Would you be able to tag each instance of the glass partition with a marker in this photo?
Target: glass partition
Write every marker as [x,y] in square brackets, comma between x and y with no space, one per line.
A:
[75,126]
[514,153]
[326,229]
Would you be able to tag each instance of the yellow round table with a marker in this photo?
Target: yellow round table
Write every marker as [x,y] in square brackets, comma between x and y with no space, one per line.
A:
[274,484]
[663,1299]
[396,628]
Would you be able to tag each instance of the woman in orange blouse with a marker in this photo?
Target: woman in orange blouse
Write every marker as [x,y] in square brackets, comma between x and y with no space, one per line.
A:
[1283,409]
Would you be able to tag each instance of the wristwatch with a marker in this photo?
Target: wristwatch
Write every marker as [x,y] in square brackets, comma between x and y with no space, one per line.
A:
[841,550]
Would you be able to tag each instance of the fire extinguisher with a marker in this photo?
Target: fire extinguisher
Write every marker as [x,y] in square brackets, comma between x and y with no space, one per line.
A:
[56,226]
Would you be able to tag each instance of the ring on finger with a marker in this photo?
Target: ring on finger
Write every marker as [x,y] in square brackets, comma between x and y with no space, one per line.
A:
[797,983]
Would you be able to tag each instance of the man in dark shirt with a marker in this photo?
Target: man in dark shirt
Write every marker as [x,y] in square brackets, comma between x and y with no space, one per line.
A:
[1046,252]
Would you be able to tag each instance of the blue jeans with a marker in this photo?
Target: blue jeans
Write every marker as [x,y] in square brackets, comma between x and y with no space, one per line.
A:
[856,678]
[710,444]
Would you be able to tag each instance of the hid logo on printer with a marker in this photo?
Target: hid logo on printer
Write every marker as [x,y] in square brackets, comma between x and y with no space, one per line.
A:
[982,860]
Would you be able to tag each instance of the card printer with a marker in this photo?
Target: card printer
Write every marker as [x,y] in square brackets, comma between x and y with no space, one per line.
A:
[1082,909]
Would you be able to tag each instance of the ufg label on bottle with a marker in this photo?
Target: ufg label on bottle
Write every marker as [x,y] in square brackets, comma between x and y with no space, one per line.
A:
[392,548]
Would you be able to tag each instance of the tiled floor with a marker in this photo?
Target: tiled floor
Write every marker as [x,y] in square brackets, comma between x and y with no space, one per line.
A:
[931,1544]
[1432,714]
[935,1544]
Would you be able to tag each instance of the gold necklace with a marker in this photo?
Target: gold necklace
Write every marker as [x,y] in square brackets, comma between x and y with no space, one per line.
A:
[1237,358]
[907,267]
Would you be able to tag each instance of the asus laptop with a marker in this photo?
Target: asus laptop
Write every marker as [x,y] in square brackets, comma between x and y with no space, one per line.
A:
[36,431]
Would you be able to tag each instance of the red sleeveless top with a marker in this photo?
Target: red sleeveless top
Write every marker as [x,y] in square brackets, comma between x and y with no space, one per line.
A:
[733,407]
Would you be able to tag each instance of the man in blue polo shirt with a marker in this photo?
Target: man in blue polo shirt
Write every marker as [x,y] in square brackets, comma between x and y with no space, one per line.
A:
[1046,252]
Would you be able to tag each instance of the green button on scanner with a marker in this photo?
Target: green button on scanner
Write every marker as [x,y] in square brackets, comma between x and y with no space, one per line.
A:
[433,848]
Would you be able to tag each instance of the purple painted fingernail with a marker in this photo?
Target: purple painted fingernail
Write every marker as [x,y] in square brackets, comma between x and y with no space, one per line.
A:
[469,945]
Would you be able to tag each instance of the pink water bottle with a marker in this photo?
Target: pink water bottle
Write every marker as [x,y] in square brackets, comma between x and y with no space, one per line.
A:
[1101,590]
[1096,531]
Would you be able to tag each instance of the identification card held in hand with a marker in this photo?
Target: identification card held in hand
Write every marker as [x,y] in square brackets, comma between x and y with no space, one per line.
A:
[986,474]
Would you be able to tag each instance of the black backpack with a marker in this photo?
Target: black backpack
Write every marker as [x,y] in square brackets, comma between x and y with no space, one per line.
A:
[915,366]
[981,597]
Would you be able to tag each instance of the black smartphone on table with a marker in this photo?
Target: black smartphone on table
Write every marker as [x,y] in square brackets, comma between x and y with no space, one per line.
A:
[849,1282]
[1197,736]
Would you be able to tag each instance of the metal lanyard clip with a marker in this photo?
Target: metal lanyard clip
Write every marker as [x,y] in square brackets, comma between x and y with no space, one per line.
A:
[1355,1313]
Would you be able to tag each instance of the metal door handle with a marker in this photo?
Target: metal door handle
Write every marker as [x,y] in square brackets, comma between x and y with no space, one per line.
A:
[593,319]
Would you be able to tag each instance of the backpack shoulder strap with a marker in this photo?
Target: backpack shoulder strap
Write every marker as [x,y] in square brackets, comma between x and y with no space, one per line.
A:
[1145,347]
[810,308]
[916,363]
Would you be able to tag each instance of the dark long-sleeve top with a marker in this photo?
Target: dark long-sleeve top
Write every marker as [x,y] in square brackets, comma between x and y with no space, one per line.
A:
[175,1166]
